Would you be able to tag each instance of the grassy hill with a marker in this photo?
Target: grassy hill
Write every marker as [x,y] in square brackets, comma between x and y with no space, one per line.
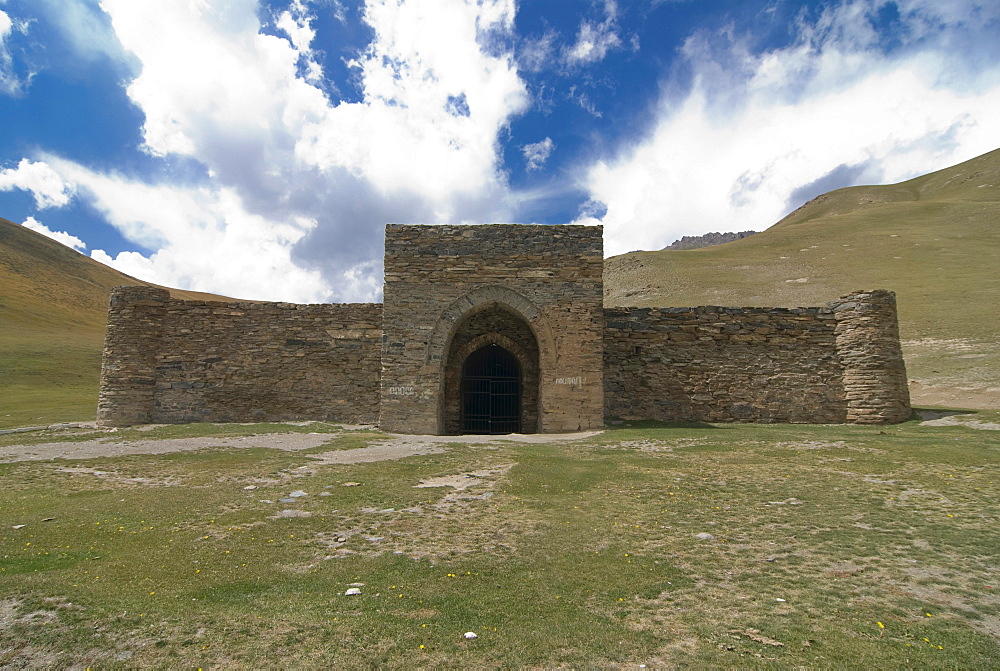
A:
[934,240]
[53,305]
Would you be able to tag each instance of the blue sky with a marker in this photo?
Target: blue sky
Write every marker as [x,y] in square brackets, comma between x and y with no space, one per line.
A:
[256,149]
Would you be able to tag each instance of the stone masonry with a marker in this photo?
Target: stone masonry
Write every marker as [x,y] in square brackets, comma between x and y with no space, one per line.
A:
[840,363]
[543,286]
[175,361]
[532,293]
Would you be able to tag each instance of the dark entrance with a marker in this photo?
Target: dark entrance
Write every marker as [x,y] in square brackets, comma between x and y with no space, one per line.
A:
[491,392]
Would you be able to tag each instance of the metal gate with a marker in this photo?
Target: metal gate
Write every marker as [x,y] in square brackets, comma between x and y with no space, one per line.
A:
[491,392]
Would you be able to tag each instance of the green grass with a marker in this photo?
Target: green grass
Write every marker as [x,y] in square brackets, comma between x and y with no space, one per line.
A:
[580,554]
[48,377]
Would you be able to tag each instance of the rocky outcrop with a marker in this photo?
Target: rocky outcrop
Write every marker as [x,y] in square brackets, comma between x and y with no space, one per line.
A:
[706,240]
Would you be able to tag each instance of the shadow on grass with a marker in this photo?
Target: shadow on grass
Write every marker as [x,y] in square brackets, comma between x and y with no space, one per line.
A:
[938,413]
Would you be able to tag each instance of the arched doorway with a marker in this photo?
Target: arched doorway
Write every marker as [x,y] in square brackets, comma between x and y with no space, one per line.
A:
[490,374]
[491,392]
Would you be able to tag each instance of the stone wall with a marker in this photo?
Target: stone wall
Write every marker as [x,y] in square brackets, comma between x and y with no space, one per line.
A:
[546,278]
[535,291]
[177,361]
[714,364]
[128,366]
[840,363]
[868,344]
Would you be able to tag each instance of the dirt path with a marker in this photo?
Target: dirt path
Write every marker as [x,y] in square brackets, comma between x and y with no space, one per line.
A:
[395,447]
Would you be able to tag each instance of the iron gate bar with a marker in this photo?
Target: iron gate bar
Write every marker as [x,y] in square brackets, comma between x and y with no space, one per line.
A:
[491,392]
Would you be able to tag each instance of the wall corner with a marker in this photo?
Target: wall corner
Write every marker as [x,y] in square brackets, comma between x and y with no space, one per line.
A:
[867,339]
[128,363]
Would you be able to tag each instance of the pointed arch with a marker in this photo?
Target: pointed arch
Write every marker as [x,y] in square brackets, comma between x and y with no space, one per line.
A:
[482,298]
[490,316]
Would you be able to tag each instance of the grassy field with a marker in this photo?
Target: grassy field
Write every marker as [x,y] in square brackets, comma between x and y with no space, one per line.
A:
[831,547]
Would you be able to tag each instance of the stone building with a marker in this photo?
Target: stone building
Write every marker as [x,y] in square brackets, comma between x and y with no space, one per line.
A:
[498,329]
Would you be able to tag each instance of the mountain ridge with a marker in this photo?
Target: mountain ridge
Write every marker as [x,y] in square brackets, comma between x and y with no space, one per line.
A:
[706,240]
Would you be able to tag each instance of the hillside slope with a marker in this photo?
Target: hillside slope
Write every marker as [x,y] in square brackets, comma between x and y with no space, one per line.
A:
[53,307]
[934,240]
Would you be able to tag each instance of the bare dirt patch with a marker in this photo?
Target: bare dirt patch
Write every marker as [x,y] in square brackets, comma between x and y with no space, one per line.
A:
[953,372]
[463,481]
[113,476]
[649,445]
[463,521]
[962,420]
[111,447]
[395,447]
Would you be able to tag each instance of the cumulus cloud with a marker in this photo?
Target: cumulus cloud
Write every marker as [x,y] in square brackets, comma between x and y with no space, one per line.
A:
[537,153]
[83,26]
[61,237]
[6,27]
[754,129]
[298,188]
[44,183]
[296,22]
[408,135]
[10,82]
[595,39]
[205,238]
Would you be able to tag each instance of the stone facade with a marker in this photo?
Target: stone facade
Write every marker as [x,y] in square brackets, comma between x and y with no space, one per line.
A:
[714,364]
[498,323]
[840,363]
[868,345]
[534,290]
[172,361]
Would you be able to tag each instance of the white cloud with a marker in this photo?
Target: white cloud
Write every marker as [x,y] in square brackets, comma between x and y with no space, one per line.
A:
[83,25]
[10,82]
[409,135]
[594,40]
[296,22]
[61,237]
[339,10]
[205,239]
[6,27]
[537,153]
[755,128]
[535,54]
[44,183]
[299,189]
